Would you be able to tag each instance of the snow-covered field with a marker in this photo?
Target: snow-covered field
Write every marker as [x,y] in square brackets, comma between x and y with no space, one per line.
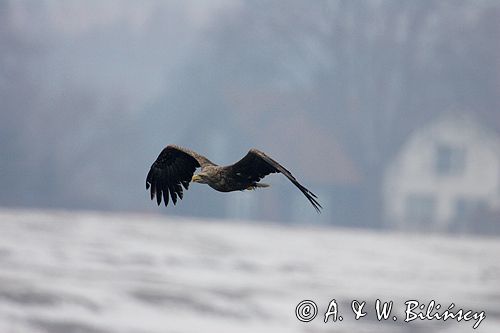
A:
[63,272]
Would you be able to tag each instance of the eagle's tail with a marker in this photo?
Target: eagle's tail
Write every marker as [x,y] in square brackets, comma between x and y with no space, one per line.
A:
[256,185]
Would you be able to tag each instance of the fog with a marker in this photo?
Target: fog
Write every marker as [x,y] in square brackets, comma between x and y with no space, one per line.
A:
[92,91]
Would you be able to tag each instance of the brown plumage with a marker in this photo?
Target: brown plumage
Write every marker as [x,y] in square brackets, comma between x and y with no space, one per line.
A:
[175,166]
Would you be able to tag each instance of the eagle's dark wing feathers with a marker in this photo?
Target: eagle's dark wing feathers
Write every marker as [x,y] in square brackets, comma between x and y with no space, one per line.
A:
[174,167]
[256,165]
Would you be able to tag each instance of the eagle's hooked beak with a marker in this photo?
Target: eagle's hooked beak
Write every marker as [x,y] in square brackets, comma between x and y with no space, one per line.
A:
[196,179]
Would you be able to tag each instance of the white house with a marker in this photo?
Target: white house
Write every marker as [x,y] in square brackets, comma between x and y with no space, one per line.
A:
[443,174]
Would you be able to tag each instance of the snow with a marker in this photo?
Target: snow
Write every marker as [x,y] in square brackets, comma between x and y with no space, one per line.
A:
[89,272]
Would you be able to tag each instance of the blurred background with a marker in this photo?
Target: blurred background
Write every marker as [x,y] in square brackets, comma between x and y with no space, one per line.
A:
[388,110]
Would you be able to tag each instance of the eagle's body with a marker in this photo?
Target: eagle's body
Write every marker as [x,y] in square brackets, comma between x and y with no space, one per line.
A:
[175,166]
[217,177]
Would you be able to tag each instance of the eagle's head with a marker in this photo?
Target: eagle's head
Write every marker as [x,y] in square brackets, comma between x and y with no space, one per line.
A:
[201,178]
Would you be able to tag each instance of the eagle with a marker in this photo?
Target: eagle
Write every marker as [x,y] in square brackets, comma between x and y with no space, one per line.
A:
[175,167]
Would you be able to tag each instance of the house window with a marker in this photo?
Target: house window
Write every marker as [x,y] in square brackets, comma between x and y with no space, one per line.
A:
[467,208]
[449,160]
[420,208]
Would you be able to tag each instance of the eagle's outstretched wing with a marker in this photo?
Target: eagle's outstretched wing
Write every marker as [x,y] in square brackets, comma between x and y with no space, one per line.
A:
[173,167]
[256,165]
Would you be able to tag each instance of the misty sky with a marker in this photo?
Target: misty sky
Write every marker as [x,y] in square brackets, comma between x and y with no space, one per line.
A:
[93,90]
